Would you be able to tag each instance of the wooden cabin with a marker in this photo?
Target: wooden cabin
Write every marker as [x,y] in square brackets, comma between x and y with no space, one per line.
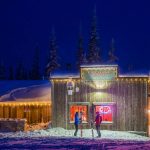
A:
[32,103]
[122,100]
[33,112]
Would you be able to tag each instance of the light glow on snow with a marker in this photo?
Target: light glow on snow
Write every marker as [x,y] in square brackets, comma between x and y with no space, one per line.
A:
[87,133]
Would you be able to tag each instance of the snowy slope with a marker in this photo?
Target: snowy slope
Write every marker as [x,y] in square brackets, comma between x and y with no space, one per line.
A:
[25,91]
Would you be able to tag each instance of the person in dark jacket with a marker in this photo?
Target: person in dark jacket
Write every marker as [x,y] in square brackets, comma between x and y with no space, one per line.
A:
[76,123]
[98,120]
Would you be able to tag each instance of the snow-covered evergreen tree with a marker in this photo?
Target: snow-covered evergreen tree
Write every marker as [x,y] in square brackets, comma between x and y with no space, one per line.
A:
[35,71]
[94,50]
[112,57]
[11,73]
[20,72]
[68,66]
[2,71]
[84,61]
[80,53]
[52,58]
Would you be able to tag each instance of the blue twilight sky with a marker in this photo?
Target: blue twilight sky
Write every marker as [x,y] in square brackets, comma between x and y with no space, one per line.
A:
[27,23]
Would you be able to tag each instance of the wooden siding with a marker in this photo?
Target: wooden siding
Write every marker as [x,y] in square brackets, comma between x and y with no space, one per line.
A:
[129,96]
[34,112]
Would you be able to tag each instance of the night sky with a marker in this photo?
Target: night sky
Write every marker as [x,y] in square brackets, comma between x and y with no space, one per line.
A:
[25,24]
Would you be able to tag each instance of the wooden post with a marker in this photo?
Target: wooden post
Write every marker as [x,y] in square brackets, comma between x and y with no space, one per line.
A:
[66,115]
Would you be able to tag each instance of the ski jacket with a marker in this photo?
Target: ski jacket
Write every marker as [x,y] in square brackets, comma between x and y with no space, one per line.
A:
[98,120]
[76,119]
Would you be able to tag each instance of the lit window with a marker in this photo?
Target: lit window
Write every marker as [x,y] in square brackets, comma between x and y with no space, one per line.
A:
[106,111]
[81,109]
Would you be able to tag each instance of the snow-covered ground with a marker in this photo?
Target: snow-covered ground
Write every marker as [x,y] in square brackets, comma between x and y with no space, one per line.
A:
[59,138]
[60,132]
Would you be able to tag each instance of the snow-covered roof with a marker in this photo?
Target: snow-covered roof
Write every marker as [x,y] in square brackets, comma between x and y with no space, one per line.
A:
[74,74]
[25,91]
[98,65]
[64,74]
[136,73]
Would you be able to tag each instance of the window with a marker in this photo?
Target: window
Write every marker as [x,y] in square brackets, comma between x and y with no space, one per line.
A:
[106,111]
[82,109]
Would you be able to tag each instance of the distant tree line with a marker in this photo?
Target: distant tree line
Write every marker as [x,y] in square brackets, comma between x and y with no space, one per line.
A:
[92,56]
[20,72]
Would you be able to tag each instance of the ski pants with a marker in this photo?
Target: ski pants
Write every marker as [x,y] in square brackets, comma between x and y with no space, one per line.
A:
[76,129]
[98,130]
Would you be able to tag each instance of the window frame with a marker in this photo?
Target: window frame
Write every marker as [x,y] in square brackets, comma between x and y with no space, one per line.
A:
[87,104]
[113,104]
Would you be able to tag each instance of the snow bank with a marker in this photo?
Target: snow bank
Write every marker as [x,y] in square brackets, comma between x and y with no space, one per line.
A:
[60,132]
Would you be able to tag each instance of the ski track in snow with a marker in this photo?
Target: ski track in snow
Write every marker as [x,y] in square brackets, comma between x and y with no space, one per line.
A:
[59,138]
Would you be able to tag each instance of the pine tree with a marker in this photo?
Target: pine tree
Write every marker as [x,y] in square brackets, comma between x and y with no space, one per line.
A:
[25,74]
[20,72]
[68,66]
[130,67]
[80,53]
[29,75]
[112,57]
[94,50]
[53,59]
[2,71]
[35,71]
[84,59]
[11,73]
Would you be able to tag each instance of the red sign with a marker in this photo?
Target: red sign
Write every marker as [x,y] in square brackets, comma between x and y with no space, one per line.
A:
[104,109]
[106,112]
